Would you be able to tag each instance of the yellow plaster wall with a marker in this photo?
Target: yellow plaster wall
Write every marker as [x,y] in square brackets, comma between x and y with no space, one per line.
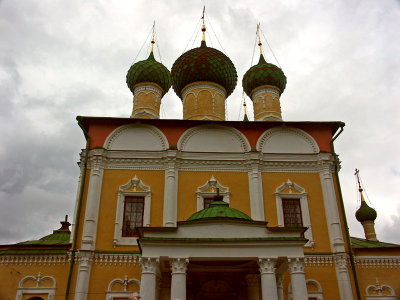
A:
[237,182]
[12,274]
[112,180]
[386,276]
[201,102]
[312,185]
[102,275]
[266,104]
[146,100]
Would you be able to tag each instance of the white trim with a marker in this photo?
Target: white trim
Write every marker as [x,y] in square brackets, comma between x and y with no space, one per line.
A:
[49,291]
[131,189]
[295,192]
[318,294]
[110,294]
[378,289]
[163,142]
[212,184]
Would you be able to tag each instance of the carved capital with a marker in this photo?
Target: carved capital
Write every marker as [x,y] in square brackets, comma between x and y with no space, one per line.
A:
[179,265]
[149,264]
[296,265]
[341,262]
[267,265]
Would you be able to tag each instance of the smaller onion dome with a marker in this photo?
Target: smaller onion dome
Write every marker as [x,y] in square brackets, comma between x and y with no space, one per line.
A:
[365,213]
[203,64]
[149,70]
[219,209]
[261,74]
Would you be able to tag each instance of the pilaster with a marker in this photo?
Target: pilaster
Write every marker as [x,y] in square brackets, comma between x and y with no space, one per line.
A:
[85,260]
[342,274]
[255,186]
[170,190]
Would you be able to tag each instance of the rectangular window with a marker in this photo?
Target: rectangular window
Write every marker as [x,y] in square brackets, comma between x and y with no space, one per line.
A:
[133,215]
[292,213]
[207,202]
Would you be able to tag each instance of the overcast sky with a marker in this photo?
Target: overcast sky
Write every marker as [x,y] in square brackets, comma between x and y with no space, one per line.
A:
[60,59]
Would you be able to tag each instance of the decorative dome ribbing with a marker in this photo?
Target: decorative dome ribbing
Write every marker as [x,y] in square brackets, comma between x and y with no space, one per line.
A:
[149,70]
[219,209]
[203,64]
[261,74]
[365,213]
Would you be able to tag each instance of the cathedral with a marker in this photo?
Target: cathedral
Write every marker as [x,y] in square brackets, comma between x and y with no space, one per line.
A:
[205,208]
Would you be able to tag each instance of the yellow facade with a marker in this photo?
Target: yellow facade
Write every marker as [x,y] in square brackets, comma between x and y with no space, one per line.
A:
[266,103]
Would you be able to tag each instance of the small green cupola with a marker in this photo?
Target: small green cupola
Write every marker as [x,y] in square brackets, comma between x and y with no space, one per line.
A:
[261,74]
[365,213]
[219,209]
[149,71]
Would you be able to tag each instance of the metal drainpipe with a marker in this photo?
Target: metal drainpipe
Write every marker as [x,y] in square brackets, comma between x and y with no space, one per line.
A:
[78,211]
[353,268]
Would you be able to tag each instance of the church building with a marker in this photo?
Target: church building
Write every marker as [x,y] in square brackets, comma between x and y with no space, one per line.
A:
[205,208]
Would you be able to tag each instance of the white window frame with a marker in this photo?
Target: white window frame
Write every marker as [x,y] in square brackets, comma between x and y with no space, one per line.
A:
[203,192]
[299,193]
[34,291]
[134,187]
[110,294]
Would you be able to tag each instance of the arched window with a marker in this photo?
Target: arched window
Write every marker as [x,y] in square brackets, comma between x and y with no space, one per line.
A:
[36,285]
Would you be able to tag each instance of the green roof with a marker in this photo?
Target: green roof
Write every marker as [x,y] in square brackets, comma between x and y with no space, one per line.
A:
[365,213]
[203,64]
[363,243]
[219,209]
[261,74]
[149,70]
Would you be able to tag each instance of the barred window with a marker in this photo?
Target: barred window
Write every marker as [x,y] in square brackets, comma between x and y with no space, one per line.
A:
[292,213]
[133,215]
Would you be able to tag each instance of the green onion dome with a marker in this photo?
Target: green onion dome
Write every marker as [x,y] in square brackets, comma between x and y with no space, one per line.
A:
[203,64]
[365,213]
[261,74]
[219,209]
[149,70]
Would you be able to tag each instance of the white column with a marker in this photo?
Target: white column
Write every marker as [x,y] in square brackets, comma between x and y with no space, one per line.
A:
[170,190]
[253,286]
[279,286]
[298,279]
[255,186]
[331,205]
[148,282]
[343,277]
[178,278]
[93,200]
[83,278]
[268,278]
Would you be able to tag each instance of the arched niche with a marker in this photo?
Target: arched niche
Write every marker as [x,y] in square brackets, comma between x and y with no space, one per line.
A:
[213,138]
[136,137]
[287,140]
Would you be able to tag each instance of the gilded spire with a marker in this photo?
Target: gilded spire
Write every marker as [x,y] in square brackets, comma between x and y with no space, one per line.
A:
[203,28]
[245,118]
[259,38]
[152,39]
[360,189]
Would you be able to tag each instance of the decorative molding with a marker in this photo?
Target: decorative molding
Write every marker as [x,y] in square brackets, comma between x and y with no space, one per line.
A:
[296,265]
[212,184]
[265,90]
[189,89]
[131,189]
[295,192]
[388,262]
[213,128]
[108,260]
[153,132]
[50,291]
[267,265]
[110,294]
[147,89]
[288,134]
[179,265]
[378,291]
[150,265]
[32,260]
[318,260]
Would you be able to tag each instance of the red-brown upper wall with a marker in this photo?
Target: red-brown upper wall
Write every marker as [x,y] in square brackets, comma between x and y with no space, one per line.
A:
[99,128]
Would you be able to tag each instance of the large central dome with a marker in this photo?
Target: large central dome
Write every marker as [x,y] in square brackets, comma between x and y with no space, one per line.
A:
[203,64]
